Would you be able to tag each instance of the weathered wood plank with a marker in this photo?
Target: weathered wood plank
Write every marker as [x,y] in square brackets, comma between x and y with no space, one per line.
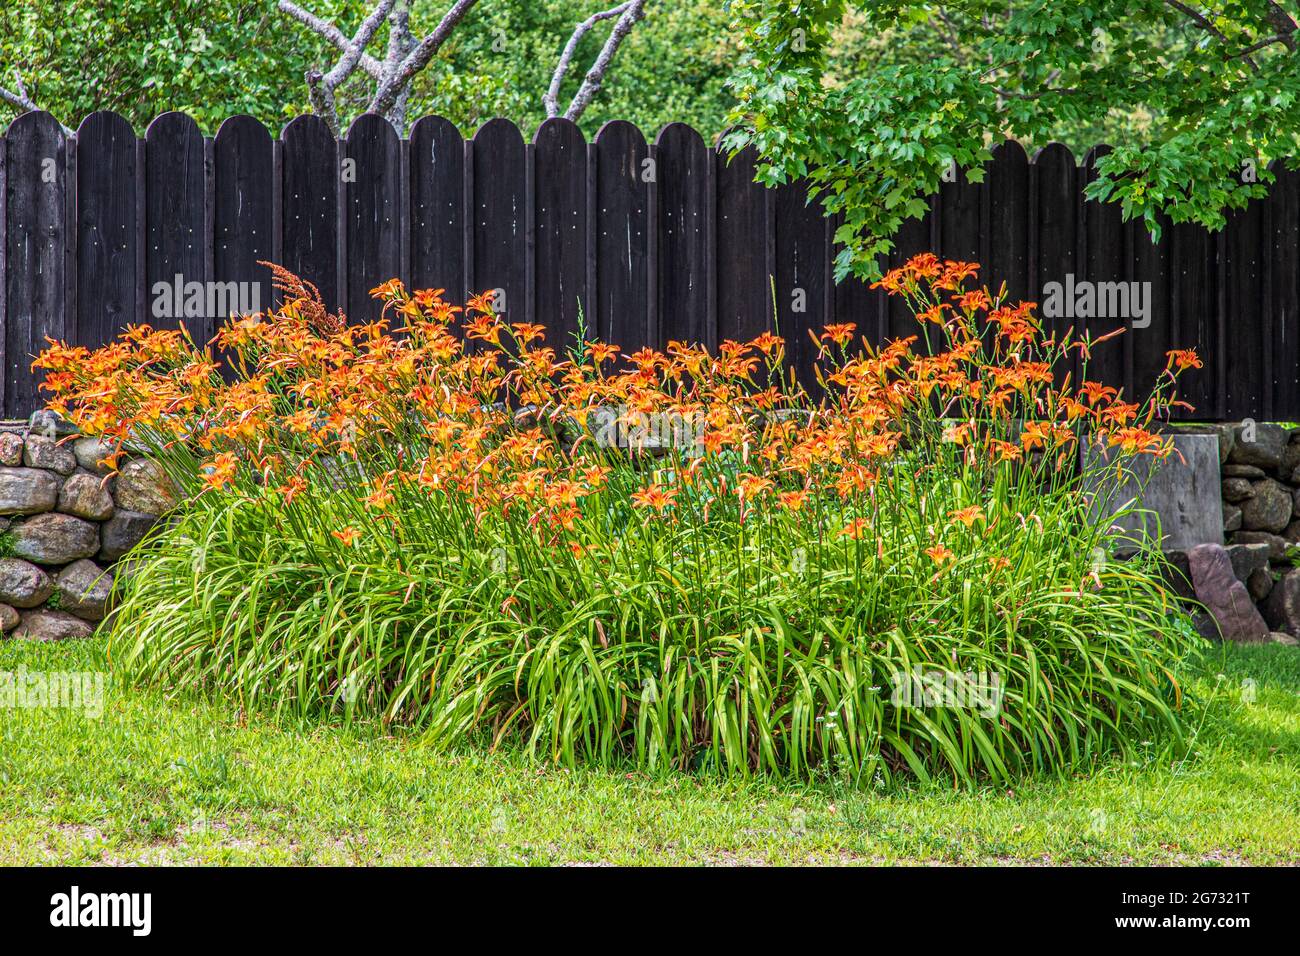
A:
[35,262]
[372,176]
[744,236]
[685,258]
[310,195]
[802,296]
[1283,242]
[106,229]
[1007,183]
[438,219]
[1243,314]
[560,214]
[622,237]
[1102,260]
[174,196]
[1193,320]
[1053,264]
[501,218]
[244,193]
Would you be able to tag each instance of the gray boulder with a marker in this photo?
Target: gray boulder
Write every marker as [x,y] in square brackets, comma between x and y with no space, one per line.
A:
[609,430]
[85,496]
[1282,609]
[1227,440]
[27,491]
[143,486]
[50,424]
[1277,545]
[1265,451]
[1237,490]
[11,449]
[46,625]
[42,452]
[1259,584]
[1224,596]
[55,539]
[122,532]
[1231,518]
[9,618]
[1268,509]
[23,584]
[1290,459]
[84,588]
[1247,558]
[89,452]
[1206,626]
[1242,471]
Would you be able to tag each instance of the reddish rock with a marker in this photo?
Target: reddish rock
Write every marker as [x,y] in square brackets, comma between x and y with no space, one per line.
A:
[43,624]
[1224,596]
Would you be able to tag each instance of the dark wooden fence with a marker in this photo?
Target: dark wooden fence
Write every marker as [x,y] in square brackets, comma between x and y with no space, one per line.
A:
[650,240]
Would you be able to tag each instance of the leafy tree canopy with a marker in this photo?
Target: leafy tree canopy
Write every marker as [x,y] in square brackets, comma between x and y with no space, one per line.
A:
[216,58]
[144,57]
[1202,92]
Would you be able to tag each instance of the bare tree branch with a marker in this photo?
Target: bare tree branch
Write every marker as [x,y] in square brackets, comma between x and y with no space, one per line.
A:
[321,86]
[348,62]
[322,99]
[405,57]
[1267,41]
[330,32]
[1284,25]
[18,97]
[400,42]
[393,84]
[552,97]
[596,75]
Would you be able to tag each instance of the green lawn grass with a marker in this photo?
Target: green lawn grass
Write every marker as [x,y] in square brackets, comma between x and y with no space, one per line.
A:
[187,781]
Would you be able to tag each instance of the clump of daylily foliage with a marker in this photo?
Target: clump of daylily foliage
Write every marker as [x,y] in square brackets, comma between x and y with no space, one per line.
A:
[664,559]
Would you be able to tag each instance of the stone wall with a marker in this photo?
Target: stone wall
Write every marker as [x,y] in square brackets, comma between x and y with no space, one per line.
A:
[65,522]
[1252,585]
[1261,511]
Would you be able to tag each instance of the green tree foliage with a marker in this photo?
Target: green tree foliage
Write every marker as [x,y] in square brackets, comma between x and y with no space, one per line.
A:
[1200,98]
[212,59]
[220,57]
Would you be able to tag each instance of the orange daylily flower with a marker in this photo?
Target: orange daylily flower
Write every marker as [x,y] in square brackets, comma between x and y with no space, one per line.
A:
[654,496]
[967,516]
[792,500]
[839,333]
[220,471]
[939,554]
[856,528]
